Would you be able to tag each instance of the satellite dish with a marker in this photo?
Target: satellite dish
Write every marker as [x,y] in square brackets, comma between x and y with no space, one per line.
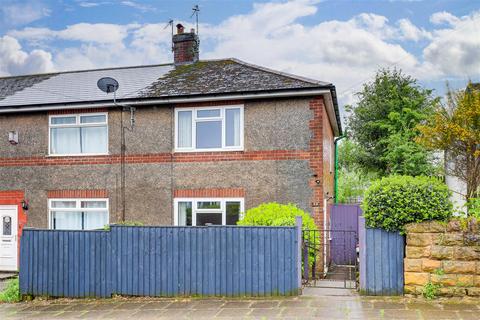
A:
[107,84]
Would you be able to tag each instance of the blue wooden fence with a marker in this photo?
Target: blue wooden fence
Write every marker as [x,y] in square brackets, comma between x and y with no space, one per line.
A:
[160,261]
[381,261]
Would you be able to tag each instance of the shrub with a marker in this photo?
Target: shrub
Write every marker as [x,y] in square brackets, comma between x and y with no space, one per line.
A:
[128,223]
[275,214]
[392,202]
[12,292]
[473,207]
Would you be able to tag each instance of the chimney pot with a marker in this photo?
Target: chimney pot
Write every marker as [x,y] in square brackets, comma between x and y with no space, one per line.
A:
[180,28]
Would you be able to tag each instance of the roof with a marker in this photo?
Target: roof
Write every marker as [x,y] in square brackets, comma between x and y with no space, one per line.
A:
[206,77]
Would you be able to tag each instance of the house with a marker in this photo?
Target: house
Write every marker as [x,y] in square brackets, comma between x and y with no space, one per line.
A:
[192,142]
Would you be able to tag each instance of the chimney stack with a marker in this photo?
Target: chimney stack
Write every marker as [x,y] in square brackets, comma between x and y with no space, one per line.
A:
[185,46]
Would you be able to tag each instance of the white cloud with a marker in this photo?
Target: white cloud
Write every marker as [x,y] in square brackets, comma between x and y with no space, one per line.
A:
[21,14]
[342,52]
[84,32]
[346,53]
[86,4]
[14,60]
[89,4]
[408,31]
[137,5]
[375,24]
[443,17]
[455,50]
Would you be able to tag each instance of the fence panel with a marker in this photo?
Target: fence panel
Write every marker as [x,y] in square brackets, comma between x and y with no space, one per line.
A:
[160,261]
[381,261]
[204,261]
[65,263]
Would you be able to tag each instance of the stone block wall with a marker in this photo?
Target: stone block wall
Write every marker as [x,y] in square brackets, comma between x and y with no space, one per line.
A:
[446,255]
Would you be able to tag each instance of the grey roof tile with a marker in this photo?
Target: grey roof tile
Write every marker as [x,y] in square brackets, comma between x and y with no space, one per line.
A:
[155,81]
[223,76]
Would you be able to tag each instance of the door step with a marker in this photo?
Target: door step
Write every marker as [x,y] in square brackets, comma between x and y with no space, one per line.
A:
[4,275]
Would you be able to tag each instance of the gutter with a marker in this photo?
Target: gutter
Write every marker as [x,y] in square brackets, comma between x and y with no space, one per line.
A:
[145,102]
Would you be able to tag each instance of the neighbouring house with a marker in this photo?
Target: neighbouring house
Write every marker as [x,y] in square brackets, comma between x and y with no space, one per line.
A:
[209,139]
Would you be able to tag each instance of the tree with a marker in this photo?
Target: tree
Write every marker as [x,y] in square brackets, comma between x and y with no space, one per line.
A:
[455,129]
[353,179]
[384,124]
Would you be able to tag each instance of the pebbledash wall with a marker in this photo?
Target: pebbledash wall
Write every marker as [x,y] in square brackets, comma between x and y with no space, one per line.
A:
[446,255]
[288,146]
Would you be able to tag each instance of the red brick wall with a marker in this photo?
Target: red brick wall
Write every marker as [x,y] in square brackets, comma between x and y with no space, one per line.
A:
[328,161]
[101,193]
[316,159]
[184,52]
[209,104]
[70,111]
[209,193]
[159,158]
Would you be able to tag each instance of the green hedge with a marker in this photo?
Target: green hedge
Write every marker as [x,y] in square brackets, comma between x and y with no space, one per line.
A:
[276,214]
[392,202]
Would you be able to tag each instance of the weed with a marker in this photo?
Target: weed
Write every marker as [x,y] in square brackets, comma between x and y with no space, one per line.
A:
[439,272]
[430,290]
[12,292]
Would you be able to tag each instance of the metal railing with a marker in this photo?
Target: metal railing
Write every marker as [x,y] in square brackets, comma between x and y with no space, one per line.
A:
[330,262]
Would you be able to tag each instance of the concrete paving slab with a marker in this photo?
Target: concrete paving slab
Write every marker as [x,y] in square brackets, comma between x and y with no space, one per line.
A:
[237,304]
[156,305]
[303,307]
[233,313]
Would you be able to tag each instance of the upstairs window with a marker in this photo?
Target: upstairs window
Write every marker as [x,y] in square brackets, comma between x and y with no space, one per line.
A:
[209,129]
[80,134]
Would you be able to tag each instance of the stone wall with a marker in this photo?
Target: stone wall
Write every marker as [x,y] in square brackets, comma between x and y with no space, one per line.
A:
[445,255]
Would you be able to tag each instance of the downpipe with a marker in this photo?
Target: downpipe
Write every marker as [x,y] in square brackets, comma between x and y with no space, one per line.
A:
[325,266]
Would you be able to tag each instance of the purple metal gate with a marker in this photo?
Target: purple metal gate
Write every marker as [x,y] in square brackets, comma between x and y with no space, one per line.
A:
[344,235]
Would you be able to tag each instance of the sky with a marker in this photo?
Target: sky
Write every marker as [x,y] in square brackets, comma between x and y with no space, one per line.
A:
[339,41]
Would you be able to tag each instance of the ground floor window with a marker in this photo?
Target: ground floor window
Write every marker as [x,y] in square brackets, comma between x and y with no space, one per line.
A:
[78,214]
[207,211]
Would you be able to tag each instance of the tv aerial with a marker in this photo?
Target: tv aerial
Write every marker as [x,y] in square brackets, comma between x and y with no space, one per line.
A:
[170,23]
[195,12]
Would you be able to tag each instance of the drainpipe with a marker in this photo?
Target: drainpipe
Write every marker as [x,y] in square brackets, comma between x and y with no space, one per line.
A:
[336,168]
[325,204]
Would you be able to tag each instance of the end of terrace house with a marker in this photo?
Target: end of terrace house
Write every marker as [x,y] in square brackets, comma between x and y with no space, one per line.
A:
[209,139]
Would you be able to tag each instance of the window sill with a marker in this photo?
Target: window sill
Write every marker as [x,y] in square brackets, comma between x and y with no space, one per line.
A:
[76,155]
[207,150]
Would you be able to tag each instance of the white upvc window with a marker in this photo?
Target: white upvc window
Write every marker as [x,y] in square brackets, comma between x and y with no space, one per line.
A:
[78,134]
[207,211]
[78,214]
[209,128]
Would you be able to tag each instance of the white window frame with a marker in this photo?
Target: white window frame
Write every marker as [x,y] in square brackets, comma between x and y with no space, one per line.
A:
[195,119]
[77,207]
[77,124]
[194,201]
